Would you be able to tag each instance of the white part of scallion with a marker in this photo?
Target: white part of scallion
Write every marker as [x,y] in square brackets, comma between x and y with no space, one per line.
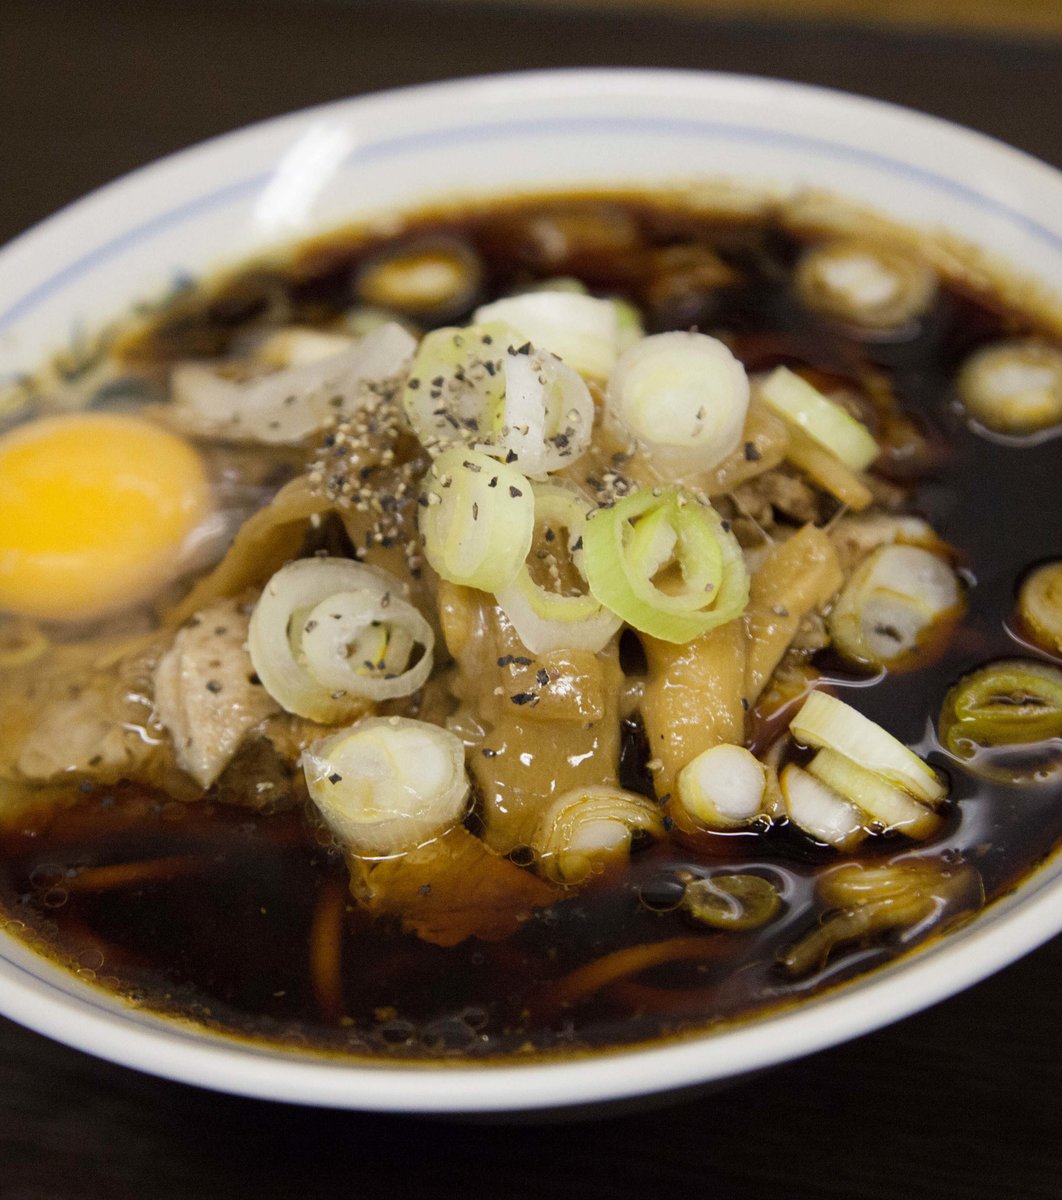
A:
[876,286]
[886,804]
[683,398]
[821,418]
[723,787]
[1040,606]
[893,598]
[828,723]
[547,415]
[388,785]
[456,384]
[819,811]
[487,387]
[579,330]
[629,327]
[477,519]
[286,406]
[1013,387]
[327,634]
[429,278]
[585,829]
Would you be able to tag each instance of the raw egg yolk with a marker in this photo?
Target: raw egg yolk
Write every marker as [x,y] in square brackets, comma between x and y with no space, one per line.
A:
[94,511]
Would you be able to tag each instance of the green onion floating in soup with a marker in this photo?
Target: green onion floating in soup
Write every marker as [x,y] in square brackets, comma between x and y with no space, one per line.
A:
[732,902]
[829,723]
[873,285]
[723,787]
[1040,606]
[822,419]
[893,602]
[1009,711]
[867,901]
[583,832]
[1013,387]
[430,278]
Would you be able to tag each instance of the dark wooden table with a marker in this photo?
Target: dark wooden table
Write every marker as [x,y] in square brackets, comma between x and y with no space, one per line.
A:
[962,1101]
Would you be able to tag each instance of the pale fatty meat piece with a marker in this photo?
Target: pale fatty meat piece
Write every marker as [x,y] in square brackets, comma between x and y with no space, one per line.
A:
[89,715]
[206,693]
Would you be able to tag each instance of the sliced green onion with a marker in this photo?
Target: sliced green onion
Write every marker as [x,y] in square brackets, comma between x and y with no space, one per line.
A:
[547,414]
[456,384]
[545,619]
[892,598]
[388,785]
[654,543]
[683,397]
[436,278]
[823,420]
[733,902]
[329,633]
[579,330]
[828,723]
[914,895]
[723,787]
[285,407]
[1013,387]
[485,386]
[854,537]
[651,542]
[629,328]
[1040,606]
[1015,702]
[586,829]
[886,804]
[819,811]
[477,518]
[826,470]
[870,284]
[675,577]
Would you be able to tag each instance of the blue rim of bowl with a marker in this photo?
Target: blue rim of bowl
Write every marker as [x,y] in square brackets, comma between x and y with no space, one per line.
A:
[689,128]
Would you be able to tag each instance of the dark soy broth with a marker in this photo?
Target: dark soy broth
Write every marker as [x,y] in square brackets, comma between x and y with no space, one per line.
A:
[235,911]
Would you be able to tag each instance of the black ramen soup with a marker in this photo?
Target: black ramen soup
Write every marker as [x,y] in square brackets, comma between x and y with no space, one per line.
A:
[556,625]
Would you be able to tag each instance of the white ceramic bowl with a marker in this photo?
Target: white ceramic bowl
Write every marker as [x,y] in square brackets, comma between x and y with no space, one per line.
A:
[231,197]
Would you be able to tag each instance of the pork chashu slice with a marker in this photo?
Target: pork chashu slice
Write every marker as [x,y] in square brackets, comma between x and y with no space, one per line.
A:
[206,692]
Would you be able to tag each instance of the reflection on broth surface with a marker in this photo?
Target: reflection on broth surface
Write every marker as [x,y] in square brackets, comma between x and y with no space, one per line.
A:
[609,619]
